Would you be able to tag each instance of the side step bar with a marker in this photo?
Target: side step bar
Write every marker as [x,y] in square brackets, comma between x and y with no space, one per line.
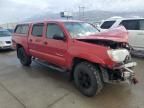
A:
[49,65]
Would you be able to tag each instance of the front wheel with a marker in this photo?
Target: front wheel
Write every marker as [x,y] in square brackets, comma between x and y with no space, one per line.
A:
[87,79]
[23,57]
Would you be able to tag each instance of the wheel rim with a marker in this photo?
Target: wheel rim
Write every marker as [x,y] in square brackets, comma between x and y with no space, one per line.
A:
[84,80]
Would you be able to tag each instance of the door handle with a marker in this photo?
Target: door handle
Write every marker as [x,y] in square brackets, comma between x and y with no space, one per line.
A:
[37,40]
[30,40]
[45,43]
[59,55]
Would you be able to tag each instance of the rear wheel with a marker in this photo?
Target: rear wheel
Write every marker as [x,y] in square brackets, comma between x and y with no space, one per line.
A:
[87,79]
[23,57]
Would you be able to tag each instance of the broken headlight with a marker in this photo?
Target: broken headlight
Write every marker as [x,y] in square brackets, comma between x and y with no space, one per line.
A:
[118,55]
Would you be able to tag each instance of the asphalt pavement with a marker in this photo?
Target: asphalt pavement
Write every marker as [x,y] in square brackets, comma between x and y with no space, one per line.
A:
[40,87]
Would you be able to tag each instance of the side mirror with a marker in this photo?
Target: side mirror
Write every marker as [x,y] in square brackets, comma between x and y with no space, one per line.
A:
[58,37]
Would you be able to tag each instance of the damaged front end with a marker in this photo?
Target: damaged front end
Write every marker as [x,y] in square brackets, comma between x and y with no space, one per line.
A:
[118,55]
[123,68]
[121,73]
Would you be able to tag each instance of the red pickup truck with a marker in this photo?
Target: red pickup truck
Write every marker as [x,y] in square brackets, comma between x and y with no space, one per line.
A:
[91,58]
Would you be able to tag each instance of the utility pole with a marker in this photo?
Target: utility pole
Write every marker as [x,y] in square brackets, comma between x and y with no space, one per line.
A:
[81,10]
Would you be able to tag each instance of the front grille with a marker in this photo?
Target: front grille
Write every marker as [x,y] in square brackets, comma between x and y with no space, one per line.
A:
[8,42]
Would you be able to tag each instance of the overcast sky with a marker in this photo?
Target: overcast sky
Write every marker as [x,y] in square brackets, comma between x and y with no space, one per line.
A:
[16,10]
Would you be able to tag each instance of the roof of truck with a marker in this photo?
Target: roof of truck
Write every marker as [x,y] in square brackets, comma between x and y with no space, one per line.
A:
[56,20]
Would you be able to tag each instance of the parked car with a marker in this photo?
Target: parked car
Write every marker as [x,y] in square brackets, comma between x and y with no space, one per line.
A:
[91,58]
[5,39]
[10,30]
[135,27]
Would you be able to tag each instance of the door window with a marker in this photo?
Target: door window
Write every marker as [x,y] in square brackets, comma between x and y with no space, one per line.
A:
[37,29]
[107,24]
[18,29]
[22,29]
[54,30]
[130,24]
[141,24]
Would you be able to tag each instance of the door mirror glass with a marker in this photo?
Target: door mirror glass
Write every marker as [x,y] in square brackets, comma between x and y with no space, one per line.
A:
[58,37]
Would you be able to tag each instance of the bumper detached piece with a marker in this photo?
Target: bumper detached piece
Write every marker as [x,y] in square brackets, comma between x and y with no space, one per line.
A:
[128,73]
[120,73]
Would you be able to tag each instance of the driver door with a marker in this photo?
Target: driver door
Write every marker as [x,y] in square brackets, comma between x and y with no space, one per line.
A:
[55,44]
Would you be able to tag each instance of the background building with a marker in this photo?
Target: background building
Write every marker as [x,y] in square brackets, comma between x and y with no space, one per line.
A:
[8,25]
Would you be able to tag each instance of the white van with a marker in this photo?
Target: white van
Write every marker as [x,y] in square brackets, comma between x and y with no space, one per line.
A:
[135,27]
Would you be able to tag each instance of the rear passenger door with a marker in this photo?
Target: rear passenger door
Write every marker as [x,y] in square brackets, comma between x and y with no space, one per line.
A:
[136,32]
[55,44]
[36,40]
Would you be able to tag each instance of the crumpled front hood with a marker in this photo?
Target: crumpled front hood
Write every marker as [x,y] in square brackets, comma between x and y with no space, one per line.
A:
[118,34]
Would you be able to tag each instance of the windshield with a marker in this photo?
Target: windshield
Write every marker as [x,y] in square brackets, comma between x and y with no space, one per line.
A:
[79,29]
[4,33]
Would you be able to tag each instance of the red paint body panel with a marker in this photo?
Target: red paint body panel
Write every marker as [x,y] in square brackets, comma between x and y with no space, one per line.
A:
[62,53]
[91,52]
[118,34]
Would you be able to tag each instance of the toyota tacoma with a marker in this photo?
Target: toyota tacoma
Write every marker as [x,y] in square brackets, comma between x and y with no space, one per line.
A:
[91,58]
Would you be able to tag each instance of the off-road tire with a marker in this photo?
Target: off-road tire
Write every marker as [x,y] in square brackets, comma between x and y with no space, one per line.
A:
[94,74]
[23,57]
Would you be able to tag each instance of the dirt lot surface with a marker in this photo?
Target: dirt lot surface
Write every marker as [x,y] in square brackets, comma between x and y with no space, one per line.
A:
[40,87]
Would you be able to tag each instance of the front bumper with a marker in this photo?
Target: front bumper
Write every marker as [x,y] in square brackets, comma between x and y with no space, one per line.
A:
[6,47]
[119,73]
[127,72]
[128,65]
